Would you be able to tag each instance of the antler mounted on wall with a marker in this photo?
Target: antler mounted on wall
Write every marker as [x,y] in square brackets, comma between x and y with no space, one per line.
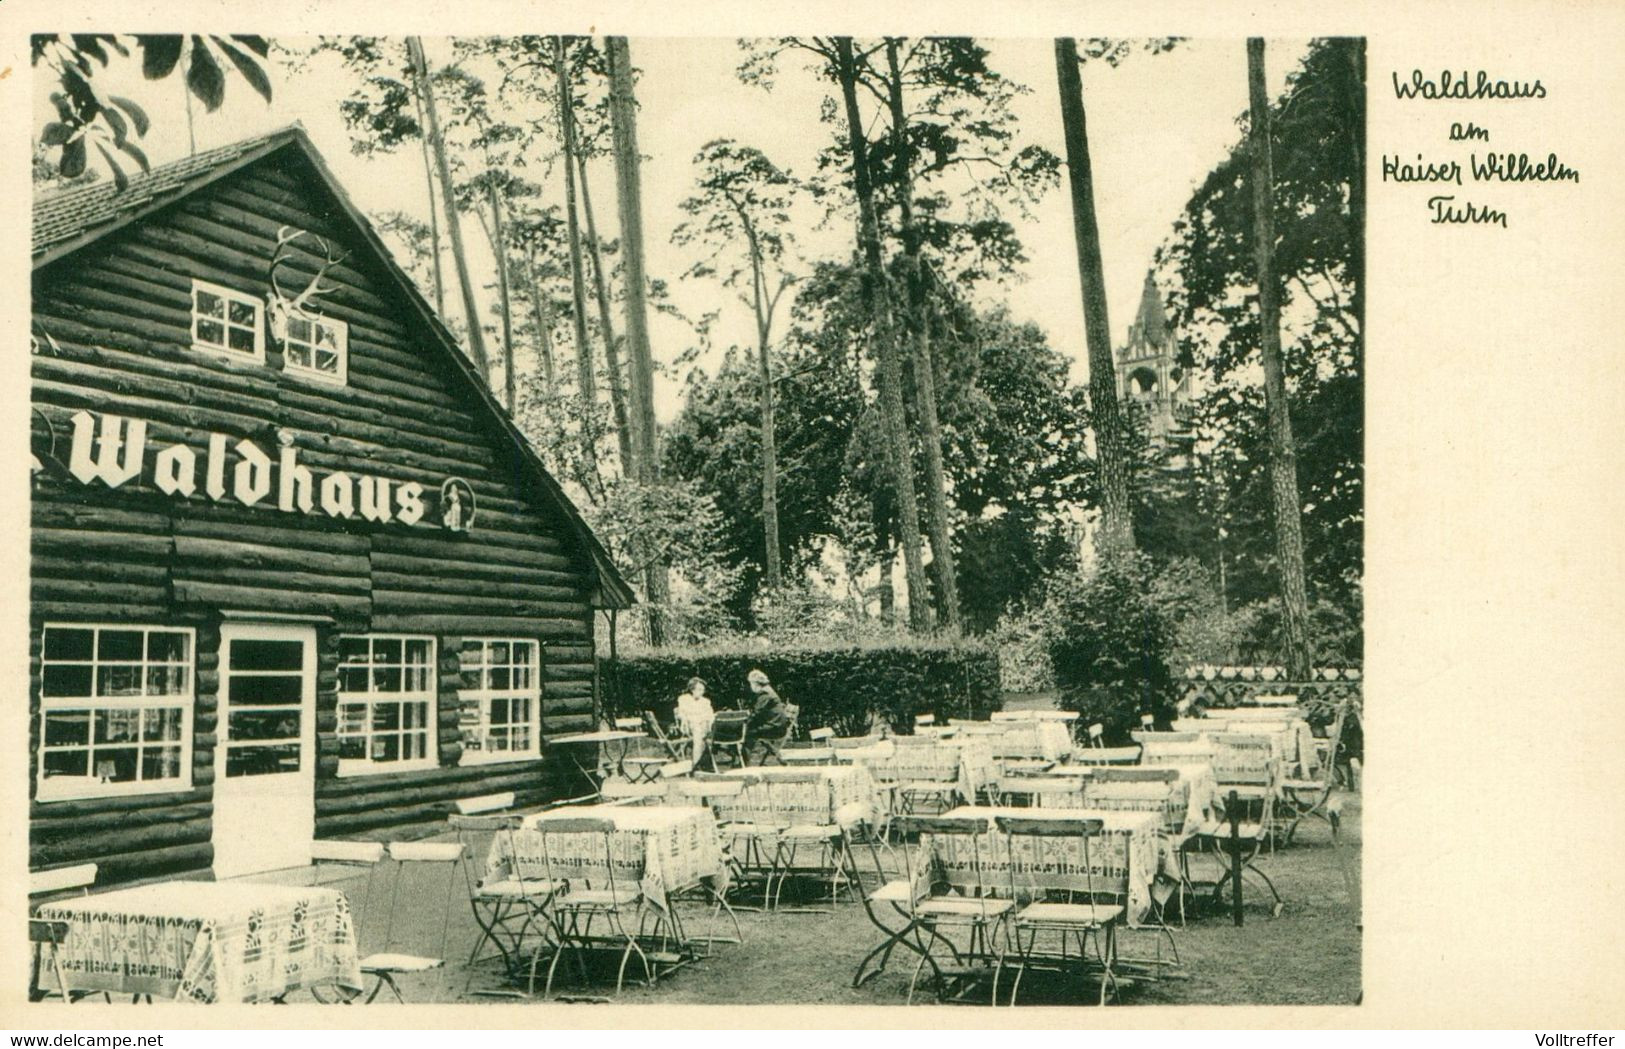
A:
[280,305]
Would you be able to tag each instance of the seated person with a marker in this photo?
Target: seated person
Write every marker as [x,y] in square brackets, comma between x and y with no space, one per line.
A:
[769,718]
[694,714]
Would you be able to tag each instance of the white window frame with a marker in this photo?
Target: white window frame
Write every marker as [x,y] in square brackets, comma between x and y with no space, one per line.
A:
[228,296]
[66,788]
[481,697]
[341,342]
[430,696]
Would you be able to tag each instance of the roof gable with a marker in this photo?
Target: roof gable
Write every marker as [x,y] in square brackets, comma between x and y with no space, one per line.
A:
[70,220]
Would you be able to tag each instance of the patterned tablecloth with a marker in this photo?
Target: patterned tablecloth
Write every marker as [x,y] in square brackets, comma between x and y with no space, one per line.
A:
[1196,791]
[780,800]
[1295,745]
[964,760]
[1131,846]
[665,848]
[1045,739]
[199,941]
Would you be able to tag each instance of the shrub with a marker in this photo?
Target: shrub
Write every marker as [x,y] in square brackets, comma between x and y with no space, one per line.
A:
[843,686]
[1113,636]
[1335,633]
[1022,641]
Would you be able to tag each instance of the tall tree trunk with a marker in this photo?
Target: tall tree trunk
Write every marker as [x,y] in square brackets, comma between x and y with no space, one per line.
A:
[1111,438]
[434,218]
[925,382]
[889,374]
[586,383]
[640,358]
[454,229]
[542,310]
[763,307]
[1283,456]
[612,356]
[1356,102]
[499,251]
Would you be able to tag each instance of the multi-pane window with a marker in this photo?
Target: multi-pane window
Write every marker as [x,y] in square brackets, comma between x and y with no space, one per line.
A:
[502,708]
[226,321]
[386,703]
[318,347]
[115,710]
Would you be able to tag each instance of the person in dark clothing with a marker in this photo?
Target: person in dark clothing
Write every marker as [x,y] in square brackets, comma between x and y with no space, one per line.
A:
[769,718]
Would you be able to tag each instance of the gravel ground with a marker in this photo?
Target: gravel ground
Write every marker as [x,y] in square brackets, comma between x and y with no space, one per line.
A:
[1309,954]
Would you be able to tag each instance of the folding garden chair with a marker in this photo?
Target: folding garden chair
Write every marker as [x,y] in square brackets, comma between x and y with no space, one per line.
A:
[1030,845]
[727,739]
[929,778]
[890,903]
[818,750]
[45,937]
[959,902]
[772,745]
[749,838]
[510,899]
[1302,798]
[808,830]
[385,964]
[1248,766]
[581,853]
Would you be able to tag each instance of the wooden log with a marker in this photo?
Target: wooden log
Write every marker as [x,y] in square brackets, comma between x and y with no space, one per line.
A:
[84,807]
[174,860]
[344,608]
[47,828]
[481,626]
[95,545]
[455,604]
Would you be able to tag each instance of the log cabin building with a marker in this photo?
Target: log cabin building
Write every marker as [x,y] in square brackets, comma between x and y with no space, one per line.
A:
[295,573]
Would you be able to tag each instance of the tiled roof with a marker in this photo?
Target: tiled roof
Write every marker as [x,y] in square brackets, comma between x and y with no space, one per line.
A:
[65,214]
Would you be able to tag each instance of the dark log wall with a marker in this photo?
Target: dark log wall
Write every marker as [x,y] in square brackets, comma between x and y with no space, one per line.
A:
[118,313]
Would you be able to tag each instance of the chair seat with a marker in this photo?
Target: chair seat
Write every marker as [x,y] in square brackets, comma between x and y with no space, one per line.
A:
[892,892]
[811,755]
[750,830]
[1303,784]
[960,907]
[1069,914]
[617,897]
[512,888]
[399,963]
[930,786]
[817,833]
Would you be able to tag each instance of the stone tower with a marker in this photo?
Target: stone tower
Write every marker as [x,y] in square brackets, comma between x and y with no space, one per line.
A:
[1150,379]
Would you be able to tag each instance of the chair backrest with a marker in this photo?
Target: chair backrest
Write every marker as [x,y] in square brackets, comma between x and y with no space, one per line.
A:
[702,788]
[1158,738]
[1010,715]
[357,853]
[485,803]
[1134,774]
[61,879]
[429,854]
[1257,726]
[1162,752]
[580,850]
[822,735]
[1106,755]
[915,741]
[1042,855]
[1051,792]
[1166,801]
[629,724]
[953,848]
[854,742]
[676,769]
[729,726]
[925,719]
[1244,759]
[1096,734]
[1283,700]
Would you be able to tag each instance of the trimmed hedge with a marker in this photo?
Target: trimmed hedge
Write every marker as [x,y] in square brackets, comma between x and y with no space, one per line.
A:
[840,686]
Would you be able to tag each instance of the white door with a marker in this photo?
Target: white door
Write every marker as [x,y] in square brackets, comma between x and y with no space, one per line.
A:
[265,758]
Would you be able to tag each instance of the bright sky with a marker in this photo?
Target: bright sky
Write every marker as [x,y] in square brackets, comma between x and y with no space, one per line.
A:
[1157,125]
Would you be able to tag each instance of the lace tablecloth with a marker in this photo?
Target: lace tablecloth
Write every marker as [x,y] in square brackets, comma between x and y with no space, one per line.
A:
[783,799]
[207,941]
[1131,848]
[662,848]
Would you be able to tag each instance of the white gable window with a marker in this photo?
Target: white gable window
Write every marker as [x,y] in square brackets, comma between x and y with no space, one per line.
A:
[115,711]
[227,322]
[501,712]
[317,347]
[386,703]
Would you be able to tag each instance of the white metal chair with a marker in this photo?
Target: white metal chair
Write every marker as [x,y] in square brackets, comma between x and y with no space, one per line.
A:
[595,890]
[955,852]
[1090,919]
[386,964]
[46,937]
[507,902]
